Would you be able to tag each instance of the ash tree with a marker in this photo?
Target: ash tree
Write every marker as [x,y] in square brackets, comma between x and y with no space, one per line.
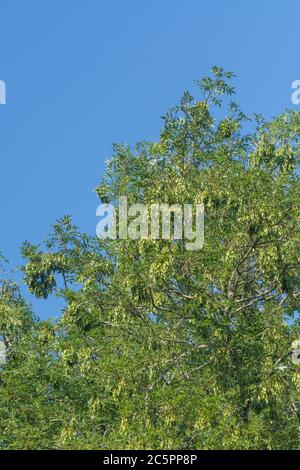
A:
[159,347]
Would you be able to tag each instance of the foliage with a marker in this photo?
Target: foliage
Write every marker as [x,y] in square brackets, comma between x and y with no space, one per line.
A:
[160,347]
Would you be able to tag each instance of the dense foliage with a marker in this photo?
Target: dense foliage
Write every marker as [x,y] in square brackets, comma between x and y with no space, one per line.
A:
[160,347]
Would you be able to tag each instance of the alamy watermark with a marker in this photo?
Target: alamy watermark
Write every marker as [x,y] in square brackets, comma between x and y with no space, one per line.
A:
[152,222]
[2,92]
[296,94]
[296,352]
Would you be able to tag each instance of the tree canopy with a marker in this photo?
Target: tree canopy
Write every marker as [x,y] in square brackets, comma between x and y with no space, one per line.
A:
[159,347]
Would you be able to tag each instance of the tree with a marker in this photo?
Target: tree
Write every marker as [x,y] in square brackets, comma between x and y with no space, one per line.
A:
[160,347]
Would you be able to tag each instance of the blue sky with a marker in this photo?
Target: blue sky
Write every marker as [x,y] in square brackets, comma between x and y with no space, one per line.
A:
[81,75]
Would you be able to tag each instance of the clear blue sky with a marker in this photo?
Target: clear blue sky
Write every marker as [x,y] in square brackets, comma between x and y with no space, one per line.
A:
[81,75]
